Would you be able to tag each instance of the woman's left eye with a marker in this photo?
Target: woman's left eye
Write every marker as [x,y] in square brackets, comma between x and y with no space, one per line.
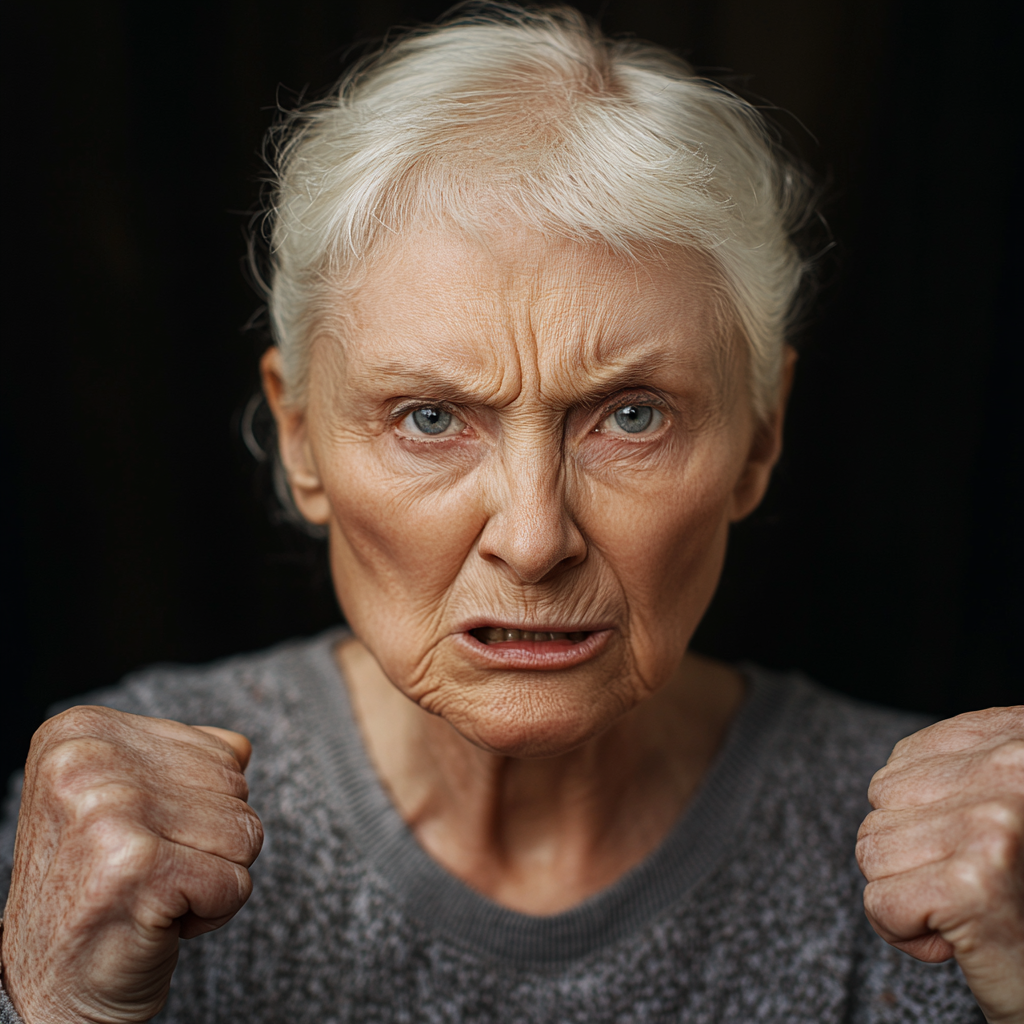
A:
[633,419]
[432,421]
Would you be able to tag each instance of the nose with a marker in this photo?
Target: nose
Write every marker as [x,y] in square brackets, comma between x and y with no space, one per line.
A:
[531,532]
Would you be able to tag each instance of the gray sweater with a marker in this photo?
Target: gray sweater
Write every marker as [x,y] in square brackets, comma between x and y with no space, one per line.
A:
[750,910]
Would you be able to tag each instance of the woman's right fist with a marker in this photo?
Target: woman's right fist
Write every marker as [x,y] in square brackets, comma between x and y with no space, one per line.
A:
[133,832]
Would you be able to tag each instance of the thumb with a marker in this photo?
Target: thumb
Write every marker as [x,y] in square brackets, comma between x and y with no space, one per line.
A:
[239,744]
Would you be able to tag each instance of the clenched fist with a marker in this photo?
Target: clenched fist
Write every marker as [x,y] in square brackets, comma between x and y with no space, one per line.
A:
[134,832]
[943,853]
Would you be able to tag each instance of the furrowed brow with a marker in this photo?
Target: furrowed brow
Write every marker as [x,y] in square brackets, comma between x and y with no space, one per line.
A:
[401,379]
[610,379]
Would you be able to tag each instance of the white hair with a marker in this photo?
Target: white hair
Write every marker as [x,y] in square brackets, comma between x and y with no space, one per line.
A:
[534,115]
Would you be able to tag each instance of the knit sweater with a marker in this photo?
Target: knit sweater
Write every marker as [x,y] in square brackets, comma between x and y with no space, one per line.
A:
[749,910]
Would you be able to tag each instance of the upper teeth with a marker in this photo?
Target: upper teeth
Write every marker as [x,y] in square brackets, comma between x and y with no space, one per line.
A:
[493,634]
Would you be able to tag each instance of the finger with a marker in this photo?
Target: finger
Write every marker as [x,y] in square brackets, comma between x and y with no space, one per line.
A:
[131,873]
[111,724]
[237,743]
[931,948]
[893,842]
[211,822]
[905,910]
[172,745]
[970,730]
[971,899]
[910,782]
[166,881]
[957,906]
[69,769]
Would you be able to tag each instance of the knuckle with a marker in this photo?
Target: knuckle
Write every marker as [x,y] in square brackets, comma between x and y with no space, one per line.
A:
[866,854]
[1008,756]
[881,786]
[903,745]
[213,771]
[239,835]
[123,858]
[254,832]
[871,897]
[232,780]
[81,720]
[970,876]
[1000,814]
[1008,720]
[874,822]
[226,887]
[109,800]
[999,850]
[979,878]
[877,902]
[134,852]
[69,765]
[243,883]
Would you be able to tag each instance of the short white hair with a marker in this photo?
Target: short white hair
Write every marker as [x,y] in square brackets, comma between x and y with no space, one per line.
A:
[532,114]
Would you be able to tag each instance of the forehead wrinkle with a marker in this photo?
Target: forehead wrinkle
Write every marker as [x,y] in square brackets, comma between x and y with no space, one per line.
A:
[544,322]
[599,380]
[460,384]
[613,342]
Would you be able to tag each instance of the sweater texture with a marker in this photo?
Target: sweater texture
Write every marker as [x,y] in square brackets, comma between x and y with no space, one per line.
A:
[749,911]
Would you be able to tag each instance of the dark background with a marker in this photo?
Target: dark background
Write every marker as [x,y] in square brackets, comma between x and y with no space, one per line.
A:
[886,560]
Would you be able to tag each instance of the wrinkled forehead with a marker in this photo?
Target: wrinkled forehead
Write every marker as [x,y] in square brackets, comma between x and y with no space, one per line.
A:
[525,308]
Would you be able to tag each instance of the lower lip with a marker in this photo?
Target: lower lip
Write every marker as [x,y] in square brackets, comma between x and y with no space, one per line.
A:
[535,655]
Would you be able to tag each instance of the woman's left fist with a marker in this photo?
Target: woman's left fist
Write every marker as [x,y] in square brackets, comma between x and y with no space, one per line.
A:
[943,852]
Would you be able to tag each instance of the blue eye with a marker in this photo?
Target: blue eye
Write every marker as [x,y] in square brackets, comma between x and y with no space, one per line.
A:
[633,419]
[431,420]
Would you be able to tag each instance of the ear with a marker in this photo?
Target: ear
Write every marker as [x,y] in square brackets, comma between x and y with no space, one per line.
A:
[765,448]
[294,443]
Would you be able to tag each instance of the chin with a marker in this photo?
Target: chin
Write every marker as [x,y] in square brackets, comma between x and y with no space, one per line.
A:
[534,720]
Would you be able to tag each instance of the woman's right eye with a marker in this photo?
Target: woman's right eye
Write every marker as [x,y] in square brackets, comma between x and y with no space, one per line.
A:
[433,421]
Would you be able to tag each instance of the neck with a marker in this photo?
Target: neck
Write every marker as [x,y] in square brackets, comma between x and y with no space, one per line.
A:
[539,836]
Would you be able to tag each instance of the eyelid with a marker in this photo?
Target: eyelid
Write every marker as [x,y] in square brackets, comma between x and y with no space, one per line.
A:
[401,411]
[399,416]
[640,396]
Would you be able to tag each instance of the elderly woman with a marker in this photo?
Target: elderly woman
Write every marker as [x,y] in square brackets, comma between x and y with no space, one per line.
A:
[530,297]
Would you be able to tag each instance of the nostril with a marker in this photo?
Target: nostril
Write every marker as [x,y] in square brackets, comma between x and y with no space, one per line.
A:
[535,540]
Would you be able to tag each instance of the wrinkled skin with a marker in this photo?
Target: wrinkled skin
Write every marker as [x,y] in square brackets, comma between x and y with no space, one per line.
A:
[533,511]
[944,856]
[134,832]
[537,785]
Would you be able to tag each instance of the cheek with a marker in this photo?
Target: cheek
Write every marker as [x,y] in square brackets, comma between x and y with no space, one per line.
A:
[664,540]
[397,542]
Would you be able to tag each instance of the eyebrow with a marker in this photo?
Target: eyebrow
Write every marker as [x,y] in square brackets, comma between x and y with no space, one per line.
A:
[412,380]
[634,375]
[622,378]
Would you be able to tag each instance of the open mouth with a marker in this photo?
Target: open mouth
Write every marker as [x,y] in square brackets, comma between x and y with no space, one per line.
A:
[545,650]
[498,635]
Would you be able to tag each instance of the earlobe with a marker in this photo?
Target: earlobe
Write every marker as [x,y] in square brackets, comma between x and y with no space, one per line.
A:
[293,442]
[765,448]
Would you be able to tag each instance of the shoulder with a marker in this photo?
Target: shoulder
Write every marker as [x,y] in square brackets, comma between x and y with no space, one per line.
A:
[244,692]
[827,734]
[818,750]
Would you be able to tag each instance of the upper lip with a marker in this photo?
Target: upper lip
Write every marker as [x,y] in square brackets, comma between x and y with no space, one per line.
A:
[544,627]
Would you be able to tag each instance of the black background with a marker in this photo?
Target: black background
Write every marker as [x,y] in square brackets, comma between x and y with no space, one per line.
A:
[886,560]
